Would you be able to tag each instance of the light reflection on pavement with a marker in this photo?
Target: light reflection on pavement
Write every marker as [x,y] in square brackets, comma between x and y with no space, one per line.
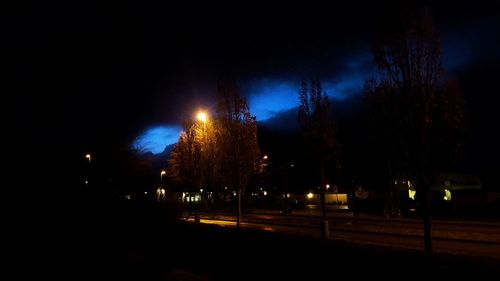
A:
[449,237]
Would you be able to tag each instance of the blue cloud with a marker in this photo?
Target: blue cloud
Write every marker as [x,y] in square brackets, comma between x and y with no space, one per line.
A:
[345,86]
[155,139]
[467,43]
[267,98]
[270,97]
[457,52]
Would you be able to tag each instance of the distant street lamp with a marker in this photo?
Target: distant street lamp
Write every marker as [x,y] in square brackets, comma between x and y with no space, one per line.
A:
[88,169]
[161,176]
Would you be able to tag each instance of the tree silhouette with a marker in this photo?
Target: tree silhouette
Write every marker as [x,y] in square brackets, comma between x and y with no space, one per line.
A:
[417,108]
[318,133]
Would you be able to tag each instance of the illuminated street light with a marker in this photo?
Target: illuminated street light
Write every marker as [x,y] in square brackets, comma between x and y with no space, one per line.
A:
[327,186]
[161,176]
[88,169]
[265,157]
[202,116]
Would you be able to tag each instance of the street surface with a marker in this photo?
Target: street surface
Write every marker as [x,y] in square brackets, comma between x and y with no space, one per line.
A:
[481,238]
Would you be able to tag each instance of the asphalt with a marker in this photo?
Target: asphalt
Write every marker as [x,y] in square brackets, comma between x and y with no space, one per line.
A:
[137,242]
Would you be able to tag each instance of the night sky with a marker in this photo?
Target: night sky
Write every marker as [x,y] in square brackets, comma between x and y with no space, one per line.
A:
[88,76]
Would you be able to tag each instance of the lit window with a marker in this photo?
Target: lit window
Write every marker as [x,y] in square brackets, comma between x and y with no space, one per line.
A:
[411,194]
[447,195]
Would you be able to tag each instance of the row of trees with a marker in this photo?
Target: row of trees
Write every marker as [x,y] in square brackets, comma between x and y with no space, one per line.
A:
[219,152]
[415,115]
[415,111]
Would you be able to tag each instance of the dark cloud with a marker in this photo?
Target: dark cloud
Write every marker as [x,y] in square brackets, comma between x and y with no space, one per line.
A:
[85,75]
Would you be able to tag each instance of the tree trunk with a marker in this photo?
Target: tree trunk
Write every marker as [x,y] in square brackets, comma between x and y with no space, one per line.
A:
[354,202]
[325,231]
[323,204]
[238,214]
[426,219]
[286,201]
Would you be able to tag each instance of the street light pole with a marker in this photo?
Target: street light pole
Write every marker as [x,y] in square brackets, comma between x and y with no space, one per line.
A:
[202,117]
[87,193]
[160,192]
[161,177]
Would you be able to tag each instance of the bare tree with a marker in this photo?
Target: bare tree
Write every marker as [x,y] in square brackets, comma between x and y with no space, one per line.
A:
[318,133]
[416,106]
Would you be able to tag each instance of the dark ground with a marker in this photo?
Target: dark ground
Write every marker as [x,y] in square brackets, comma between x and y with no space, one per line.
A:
[128,242]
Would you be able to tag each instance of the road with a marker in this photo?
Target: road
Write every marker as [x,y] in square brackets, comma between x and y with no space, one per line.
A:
[457,237]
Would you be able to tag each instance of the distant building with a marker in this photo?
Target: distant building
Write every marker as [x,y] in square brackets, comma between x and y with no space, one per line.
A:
[450,193]
[331,198]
